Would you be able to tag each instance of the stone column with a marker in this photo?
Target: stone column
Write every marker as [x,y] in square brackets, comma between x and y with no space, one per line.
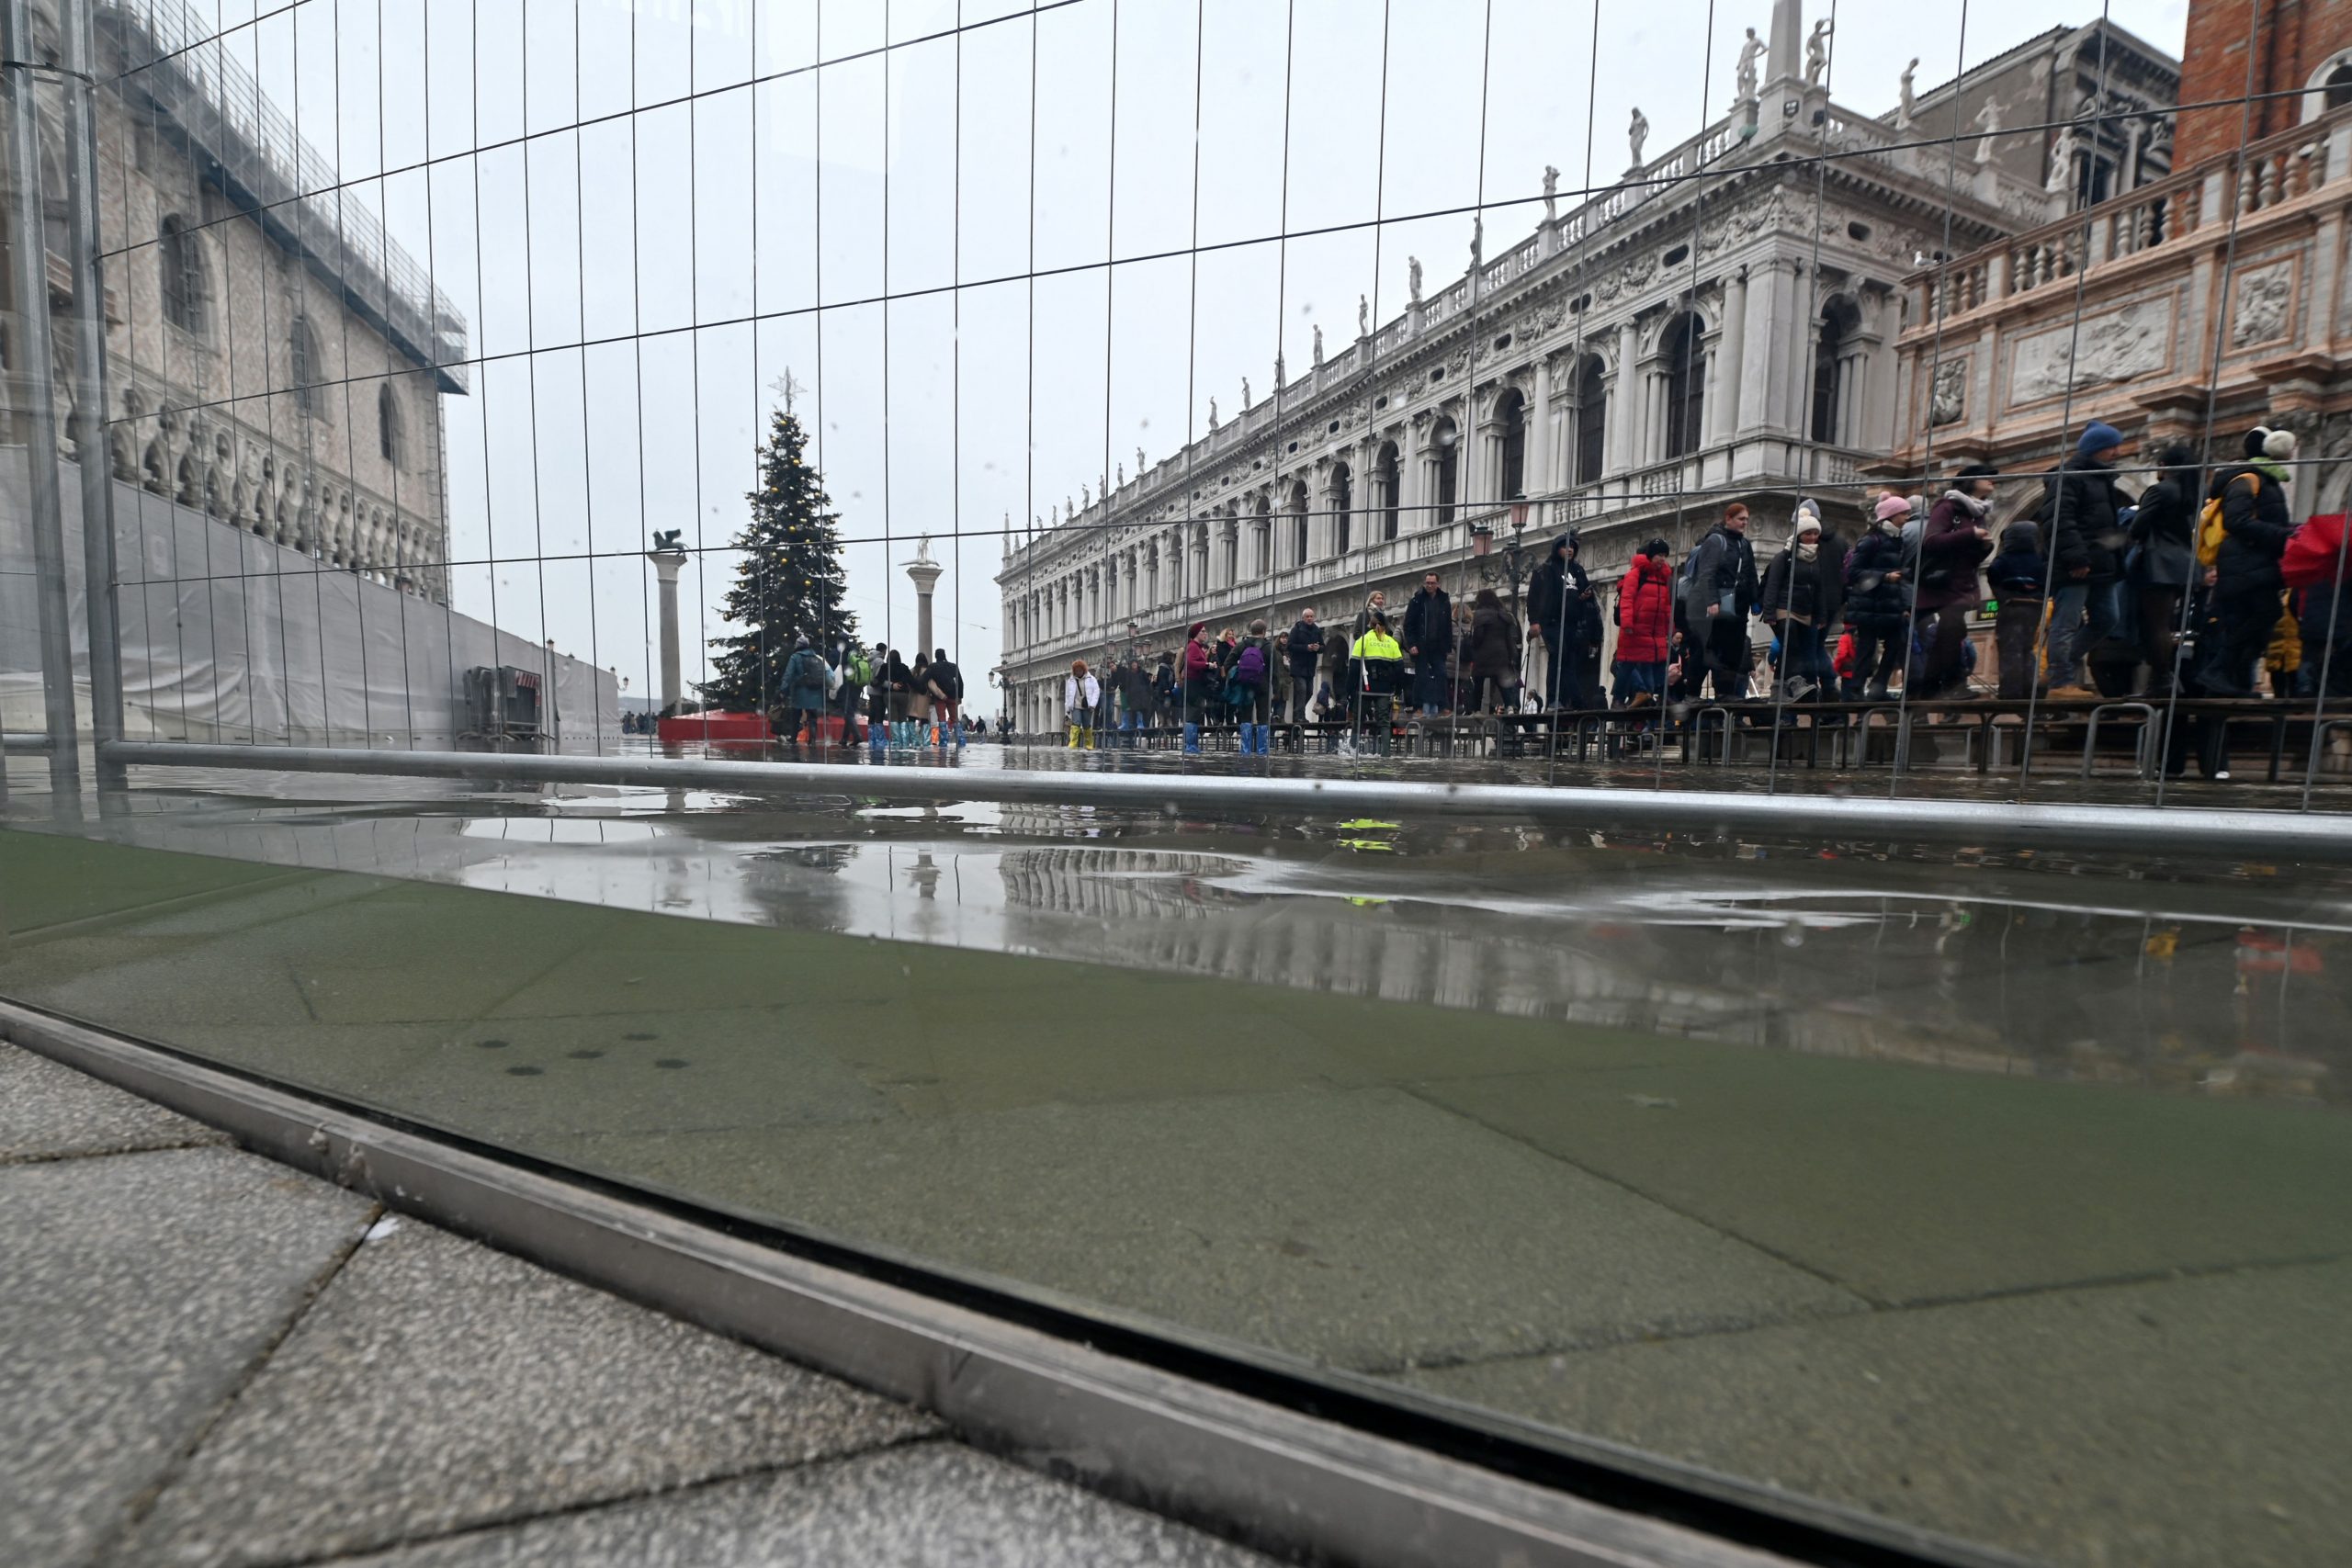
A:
[1755,370]
[1727,402]
[1624,396]
[924,573]
[1537,464]
[665,568]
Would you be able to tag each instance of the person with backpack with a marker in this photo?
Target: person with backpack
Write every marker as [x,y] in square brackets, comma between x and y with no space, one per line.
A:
[1246,689]
[856,674]
[2161,567]
[2255,523]
[1719,592]
[2079,506]
[1951,547]
[805,678]
[1303,646]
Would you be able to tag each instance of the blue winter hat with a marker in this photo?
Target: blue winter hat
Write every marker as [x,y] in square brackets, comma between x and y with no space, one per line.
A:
[2097,438]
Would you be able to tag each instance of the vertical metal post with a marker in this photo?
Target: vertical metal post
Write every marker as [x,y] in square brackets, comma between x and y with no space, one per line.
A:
[36,358]
[89,431]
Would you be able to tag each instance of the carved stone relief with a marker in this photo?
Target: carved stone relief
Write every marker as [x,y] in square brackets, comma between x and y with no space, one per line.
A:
[2116,346]
[2264,296]
[1948,397]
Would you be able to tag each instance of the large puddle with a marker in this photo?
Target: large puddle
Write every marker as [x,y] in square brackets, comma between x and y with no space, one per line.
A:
[2225,978]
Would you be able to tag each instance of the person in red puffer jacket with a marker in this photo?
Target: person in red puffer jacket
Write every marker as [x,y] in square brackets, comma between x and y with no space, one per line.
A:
[1644,628]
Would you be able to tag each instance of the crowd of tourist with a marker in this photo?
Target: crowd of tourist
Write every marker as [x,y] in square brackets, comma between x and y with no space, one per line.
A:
[2206,582]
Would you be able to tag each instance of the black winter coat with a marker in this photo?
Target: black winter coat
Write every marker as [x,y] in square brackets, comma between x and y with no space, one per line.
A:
[2166,532]
[1554,583]
[2080,502]
[1429,624]
[1799,588]
[1877,587]
[1303,644]
[2256,525]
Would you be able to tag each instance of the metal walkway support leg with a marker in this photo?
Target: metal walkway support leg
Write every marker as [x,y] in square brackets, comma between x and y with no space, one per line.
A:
[90,404]
[35,355]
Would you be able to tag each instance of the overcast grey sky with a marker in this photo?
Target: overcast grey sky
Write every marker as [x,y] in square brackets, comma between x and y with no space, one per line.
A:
[700,226]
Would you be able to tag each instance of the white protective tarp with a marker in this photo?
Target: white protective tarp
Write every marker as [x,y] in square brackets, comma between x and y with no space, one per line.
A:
[228,637]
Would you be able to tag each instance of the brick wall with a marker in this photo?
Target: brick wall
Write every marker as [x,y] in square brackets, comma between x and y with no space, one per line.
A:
[2290,40]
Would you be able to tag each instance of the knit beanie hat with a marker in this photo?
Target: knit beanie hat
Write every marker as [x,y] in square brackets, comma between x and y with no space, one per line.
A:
[1976,471]
[2099,437]
[1891,506]
[2279,443]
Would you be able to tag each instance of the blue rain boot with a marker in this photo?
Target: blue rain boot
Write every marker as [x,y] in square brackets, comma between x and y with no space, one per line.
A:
[1265,738]
[877,737]
[1192,739]
[1248,740]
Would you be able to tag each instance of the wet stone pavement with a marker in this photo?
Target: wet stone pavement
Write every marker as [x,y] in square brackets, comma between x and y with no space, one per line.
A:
[1999,1196]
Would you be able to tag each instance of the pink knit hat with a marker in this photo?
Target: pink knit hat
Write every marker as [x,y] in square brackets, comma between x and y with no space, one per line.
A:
[1891,506]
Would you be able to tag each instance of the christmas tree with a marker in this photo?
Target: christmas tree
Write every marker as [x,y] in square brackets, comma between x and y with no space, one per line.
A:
[790,583]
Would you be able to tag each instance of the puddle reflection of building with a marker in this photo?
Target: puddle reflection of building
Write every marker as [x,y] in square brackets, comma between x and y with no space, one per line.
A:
[1985,988]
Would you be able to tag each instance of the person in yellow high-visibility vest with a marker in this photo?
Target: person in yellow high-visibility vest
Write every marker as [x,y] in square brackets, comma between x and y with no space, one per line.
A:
[1379,662]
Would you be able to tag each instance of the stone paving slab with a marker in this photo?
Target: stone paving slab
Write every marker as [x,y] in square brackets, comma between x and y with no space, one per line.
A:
[48,1111]
[135,1292]
[49,879]
[438,1386]
[931,1506]
[520,1078]
[2177,1424]
[1908,1184]
[1362,1228]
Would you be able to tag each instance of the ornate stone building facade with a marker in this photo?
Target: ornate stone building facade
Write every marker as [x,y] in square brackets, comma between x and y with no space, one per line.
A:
[2205,301]
[1721,324]
[274,359]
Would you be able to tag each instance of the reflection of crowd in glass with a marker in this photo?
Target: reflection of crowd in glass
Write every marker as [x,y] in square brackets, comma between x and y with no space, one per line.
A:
[2202,584]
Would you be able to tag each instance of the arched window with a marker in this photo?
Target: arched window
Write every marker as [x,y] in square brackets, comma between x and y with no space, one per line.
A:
[2337,91]
[181,261]
[1592,421]
[1298,523]
[1686,387]
[1446,443]
[1510,421]
[302,360]
[387,425]
[1388,472]
[1343,503]
[1262,535]
[1833,369]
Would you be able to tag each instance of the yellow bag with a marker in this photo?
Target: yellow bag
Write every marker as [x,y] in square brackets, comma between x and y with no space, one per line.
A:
[2209,529]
